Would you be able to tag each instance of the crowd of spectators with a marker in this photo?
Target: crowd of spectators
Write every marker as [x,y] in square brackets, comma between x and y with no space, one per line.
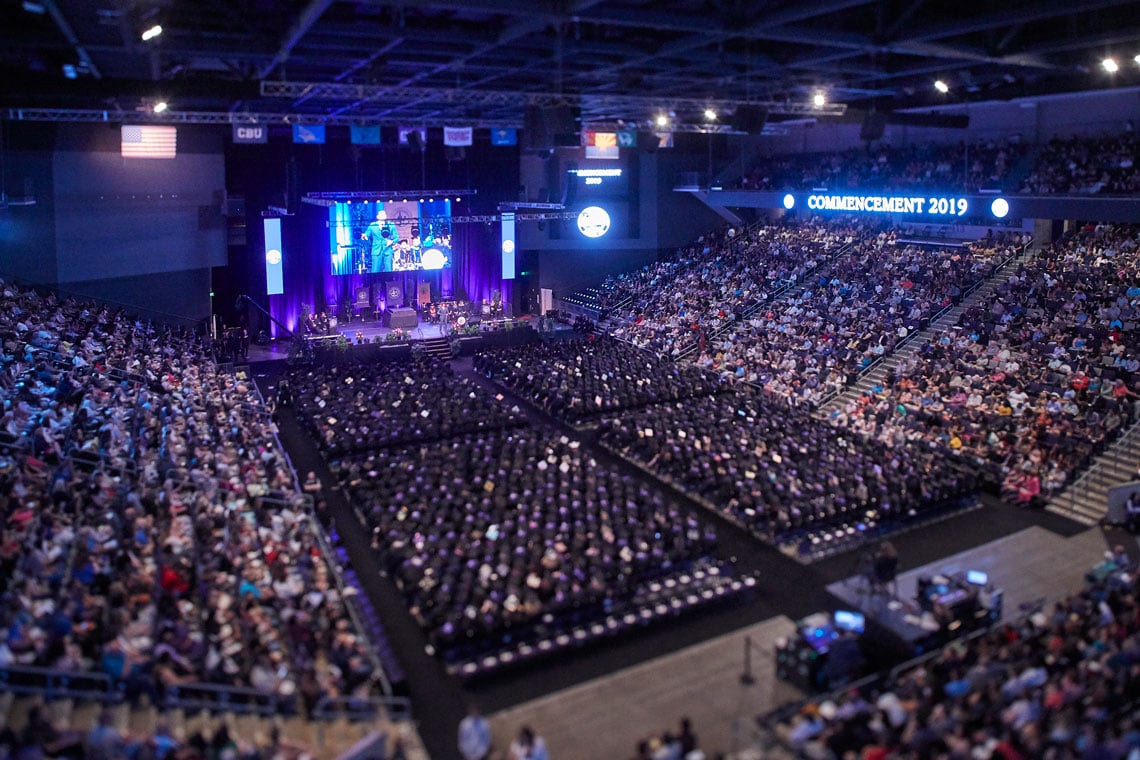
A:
[1084,166]
[842,319]
[366,406]
[580,379]
[152,530]
[513,533]
[1033,382]
[1063,683]
[782,473]
[723,276]
[921,167]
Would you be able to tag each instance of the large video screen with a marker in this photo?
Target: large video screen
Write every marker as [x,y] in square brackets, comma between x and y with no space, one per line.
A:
[389,236]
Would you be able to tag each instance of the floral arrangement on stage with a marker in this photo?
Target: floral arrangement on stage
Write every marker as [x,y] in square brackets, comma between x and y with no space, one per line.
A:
[396,336]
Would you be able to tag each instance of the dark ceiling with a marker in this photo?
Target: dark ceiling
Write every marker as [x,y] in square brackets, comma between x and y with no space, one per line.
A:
[480,61]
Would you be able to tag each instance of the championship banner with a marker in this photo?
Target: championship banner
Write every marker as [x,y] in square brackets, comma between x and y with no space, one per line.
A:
[251,134]
[365,135]
[627,139]
[504,136]
[600,144]
[457,137]
[309,134]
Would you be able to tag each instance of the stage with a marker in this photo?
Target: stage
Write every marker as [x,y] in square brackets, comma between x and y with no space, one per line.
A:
[1031,568]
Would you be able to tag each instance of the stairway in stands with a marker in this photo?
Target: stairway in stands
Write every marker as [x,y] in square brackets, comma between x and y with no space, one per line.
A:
[880,371]
[1086,498]
[438,348]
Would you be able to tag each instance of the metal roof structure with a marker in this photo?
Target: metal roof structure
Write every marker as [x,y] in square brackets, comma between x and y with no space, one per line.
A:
[482,62]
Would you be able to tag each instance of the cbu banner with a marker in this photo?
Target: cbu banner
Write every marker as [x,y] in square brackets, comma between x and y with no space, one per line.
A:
[309,134]
[504,136]
[457,137]
[251,134]
[365,135]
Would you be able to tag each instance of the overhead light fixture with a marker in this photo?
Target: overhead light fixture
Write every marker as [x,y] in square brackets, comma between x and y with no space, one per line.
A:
[1137,59]
[662,120]
[819,100]
[69,71]
[941,86]
[36,8]
[1110,65]
[160,106]
[151,33]
[710,114]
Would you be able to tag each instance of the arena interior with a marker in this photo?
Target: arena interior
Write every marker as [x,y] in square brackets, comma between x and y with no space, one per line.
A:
[572,380]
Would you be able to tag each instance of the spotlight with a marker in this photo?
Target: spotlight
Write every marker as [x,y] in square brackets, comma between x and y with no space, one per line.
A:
[662,120]
[1137,59]
[710,115]
[151,33]
[941,86]
[160,106]
[1110,65]
[819,100]
[69,71]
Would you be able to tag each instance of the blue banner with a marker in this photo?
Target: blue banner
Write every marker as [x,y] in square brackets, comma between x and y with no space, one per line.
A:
[369,135]
[309,134]
[504,136]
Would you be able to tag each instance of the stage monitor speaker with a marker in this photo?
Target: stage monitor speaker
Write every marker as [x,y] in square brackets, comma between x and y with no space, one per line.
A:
[750,119]
[874,124]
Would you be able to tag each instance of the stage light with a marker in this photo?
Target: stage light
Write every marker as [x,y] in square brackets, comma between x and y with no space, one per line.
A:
[819,100]
[36,8]
[662,120]
[69,71]
[431,200]
[941,86]
[160,106]
[1110,65]
[421,200]
[457,199]
[710,115]
[999,208]
[151,33]
[1137,59]
[789,201]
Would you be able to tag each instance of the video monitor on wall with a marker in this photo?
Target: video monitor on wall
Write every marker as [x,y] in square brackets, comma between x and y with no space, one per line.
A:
[389,236]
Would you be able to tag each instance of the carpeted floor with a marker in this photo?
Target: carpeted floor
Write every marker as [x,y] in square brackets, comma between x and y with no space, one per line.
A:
[786,587]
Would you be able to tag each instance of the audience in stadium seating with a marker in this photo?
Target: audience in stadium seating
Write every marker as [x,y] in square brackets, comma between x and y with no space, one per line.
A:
[781,473]
[513,532]
[853,312]
[1062,683]
[577,380]
[960,167]
[719,279]
[1033,382]
[152,530]
[363,407]
[1083,166]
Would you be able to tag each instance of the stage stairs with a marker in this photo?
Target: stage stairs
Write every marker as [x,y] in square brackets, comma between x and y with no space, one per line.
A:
[438,348]
[321,739]
[1086,498]
[883,368]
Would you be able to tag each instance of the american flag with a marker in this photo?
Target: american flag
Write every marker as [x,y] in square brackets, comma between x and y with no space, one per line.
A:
[149,142]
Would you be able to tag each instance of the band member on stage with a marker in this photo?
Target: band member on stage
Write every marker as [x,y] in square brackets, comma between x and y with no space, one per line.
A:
[381,235]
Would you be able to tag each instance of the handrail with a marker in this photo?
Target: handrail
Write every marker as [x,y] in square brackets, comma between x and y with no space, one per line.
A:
[331,708]
[1080,485]
[210,696]
[58,683]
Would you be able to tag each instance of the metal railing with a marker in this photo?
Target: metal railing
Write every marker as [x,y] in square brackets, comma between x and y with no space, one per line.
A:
[1098,473]
[51,683]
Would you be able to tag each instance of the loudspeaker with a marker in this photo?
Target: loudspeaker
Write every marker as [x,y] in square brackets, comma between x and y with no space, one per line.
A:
[416,140]
[454,153]
[874,124]
[548,128]
[750,119]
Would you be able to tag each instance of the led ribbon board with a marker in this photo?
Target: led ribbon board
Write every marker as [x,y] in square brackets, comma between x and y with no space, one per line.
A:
[925,205]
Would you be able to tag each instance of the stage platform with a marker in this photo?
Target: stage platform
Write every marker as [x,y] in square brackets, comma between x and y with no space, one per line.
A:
[1032,566]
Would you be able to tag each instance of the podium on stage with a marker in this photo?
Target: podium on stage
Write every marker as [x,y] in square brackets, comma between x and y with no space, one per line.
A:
[403,318]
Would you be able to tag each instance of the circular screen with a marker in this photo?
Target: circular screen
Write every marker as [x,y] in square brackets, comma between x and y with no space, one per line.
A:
[593,221]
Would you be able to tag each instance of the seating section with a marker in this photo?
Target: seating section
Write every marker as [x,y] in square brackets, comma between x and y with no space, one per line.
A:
[1033,383]
[959,167]
[583,379]
[1085,166]
[784,475]
[855,310]
[1061,683]
[366,406]
[510,542]
[721,278]
[153,531]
